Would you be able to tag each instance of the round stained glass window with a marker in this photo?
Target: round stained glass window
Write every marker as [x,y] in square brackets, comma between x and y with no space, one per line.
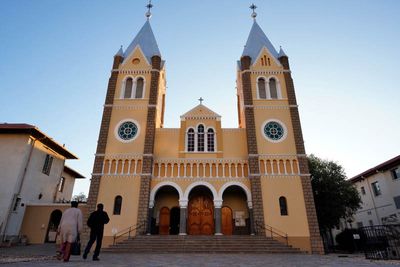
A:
[127,130]
[274,130]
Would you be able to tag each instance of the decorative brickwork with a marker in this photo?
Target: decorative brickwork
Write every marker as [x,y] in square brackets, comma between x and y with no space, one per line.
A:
[149,144]
[258,211]
[316,241]
[101,146]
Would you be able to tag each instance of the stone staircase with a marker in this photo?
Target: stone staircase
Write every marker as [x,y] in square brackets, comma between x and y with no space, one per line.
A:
[200,244]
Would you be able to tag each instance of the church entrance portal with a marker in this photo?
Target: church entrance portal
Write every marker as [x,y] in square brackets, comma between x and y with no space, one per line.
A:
[201,213]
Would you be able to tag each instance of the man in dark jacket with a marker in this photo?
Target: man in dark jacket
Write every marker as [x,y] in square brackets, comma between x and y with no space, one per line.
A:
[96,222]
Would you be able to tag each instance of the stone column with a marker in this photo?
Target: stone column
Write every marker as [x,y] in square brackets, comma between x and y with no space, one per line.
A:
[149,217]
[218,217]
[182,223]
[252,229]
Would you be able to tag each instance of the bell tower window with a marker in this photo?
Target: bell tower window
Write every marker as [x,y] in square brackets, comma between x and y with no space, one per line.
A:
[128,88]
[139,88]
[261,88]
[273,89]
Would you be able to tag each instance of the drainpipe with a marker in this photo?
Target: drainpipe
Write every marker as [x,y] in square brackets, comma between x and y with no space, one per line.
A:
[15,197]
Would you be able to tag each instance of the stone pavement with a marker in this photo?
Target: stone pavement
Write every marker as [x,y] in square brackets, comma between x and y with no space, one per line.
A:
[43,255]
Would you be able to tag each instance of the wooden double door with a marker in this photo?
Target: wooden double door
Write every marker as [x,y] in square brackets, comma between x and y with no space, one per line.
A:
[200,215]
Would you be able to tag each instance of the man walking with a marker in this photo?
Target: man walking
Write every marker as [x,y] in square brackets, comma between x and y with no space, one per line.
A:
[96,222]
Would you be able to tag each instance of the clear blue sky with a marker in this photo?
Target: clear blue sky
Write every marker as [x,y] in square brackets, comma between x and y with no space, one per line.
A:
[56,56]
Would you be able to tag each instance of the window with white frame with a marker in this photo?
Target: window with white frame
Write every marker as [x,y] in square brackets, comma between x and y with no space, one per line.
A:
[273,89]
[261,88]
[190,140]
[133,88]
[210,140]
[200,138]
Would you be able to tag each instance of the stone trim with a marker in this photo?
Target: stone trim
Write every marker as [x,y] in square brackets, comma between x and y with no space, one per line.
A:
[253,161]
[315,237]
[147,167]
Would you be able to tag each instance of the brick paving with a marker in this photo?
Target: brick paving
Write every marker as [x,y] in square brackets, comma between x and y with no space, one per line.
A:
[43,255]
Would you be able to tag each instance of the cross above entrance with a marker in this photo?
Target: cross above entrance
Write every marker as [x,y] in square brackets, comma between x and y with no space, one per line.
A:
[201,100]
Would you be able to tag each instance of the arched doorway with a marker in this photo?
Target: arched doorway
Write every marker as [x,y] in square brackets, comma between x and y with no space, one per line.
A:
[235,213]
[55,218]
[200,212]
[166,203]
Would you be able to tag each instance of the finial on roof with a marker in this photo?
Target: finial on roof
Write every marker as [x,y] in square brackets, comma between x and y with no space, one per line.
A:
[120,52]
[201,100]
[254,14]
[148,13]
[281,52]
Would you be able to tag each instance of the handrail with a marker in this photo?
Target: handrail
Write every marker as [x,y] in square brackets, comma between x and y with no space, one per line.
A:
[273,231]
[127,231]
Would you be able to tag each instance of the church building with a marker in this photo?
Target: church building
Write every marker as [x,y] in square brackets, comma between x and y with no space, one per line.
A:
[200,178]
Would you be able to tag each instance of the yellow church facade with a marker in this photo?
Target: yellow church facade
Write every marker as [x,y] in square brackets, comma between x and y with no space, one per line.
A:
[200,178]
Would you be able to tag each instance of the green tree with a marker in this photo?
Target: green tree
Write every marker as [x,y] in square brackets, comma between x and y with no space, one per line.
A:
[335,197]
[81,197]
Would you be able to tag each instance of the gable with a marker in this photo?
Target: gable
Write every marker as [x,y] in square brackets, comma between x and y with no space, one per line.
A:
[265,59]
[136,60]
[200,112]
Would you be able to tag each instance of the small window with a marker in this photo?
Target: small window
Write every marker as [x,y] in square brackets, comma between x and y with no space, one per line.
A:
[272,88]
[210,140]
[261,88]
[128,88]
[362,190]
[139,88]
[47,164]
[396,173]
[371,223]
[283,206]
[117,205]
[61,185]
[376,188]
[359,224]
[190,140]
[200,138]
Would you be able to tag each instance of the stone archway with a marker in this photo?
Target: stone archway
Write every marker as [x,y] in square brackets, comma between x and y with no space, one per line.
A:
[55,218]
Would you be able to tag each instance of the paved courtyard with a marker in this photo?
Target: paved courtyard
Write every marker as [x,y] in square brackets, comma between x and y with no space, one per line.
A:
[43,255]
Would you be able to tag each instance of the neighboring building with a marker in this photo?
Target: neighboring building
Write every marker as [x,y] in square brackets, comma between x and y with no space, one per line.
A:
[33,171]
[201,178]
[379,188]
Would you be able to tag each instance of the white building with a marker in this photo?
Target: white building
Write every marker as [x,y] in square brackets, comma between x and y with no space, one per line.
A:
[33,171]
[379,189]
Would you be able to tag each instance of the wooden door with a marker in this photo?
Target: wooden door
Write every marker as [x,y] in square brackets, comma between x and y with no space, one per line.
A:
[164,221]
[227,222]
[201,216]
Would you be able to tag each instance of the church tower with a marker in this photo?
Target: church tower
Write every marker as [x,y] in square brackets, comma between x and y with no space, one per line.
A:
[278,167]
[200,178]
[133,109]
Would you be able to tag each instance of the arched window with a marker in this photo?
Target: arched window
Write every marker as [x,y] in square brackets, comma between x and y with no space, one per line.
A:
[128,88]
[200,138]
[139,88]
[210,140]
[117,205]
[190,140]
[261,88]
[283,206]
[273,89]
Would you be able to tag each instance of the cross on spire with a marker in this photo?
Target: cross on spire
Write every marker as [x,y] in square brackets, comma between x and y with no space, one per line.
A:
[201,100]
[149,7]
[254,14]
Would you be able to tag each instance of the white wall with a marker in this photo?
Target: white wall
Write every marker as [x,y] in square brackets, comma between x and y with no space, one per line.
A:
[36,183]
[13,156]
